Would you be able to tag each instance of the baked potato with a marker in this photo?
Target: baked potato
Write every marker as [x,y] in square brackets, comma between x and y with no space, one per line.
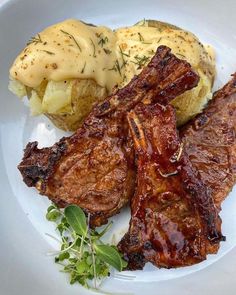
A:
[193,101]
[68,100]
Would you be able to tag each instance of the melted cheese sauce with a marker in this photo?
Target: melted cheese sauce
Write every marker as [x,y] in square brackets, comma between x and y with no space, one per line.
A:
[72,49]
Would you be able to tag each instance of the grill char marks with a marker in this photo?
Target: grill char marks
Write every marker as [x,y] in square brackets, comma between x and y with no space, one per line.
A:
[94,168]
[173,220]
[210,142]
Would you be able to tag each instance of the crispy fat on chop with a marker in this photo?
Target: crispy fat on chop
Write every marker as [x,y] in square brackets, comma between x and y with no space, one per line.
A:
[94,168]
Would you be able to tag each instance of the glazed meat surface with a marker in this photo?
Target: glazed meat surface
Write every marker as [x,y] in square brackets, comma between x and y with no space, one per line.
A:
[173,219]
[210,142]
[94,168]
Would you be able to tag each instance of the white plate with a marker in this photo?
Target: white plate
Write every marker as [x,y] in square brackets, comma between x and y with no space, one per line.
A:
[24,266]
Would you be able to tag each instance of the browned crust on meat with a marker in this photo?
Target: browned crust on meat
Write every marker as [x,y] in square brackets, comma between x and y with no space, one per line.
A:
[173,219]
[210,141]
[163,79]
[94,167]
[42,165]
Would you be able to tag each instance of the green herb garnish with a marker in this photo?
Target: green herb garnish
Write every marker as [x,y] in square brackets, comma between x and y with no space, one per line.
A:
[151,52]
[181,55]
[102,40]
[83,255]
[123,55]
[35,40]
[82,71]
[140,60]
[140,37]
[116,67]
[107,51]
[181,37]
[141,23]
[49,52]
[94,48]
[73,38]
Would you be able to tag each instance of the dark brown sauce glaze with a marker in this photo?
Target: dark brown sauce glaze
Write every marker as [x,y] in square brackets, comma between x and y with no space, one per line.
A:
[167,226]
[210,142]
[95,169]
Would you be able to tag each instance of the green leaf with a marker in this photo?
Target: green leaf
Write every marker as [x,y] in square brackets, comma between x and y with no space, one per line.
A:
[50,208]
[98,268]
[72,260]
[109,255]
[78,242]
[64,246]
[76,218]
[102,270]
[56,259]
[81,267]
[64,222]
[91,271]
[53,215]
[73,277]
[124,263]
[63,256]
[105,230]
[89,260]
[61,228]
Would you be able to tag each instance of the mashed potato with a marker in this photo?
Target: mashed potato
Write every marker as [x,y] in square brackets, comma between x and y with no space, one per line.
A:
[70,66]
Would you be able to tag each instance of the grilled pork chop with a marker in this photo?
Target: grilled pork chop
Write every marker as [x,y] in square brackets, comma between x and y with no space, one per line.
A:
[210,142]
[173,219]
[94,168]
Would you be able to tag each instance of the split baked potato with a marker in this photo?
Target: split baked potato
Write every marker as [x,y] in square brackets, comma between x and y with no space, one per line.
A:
[68,102]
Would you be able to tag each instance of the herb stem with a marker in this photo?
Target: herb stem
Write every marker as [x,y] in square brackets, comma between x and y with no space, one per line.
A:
[82,71]
[52,237]
[93,256]
[123,54]
[94,48]
[140,37]
[140,60]
[102,40]
[181,55]
[73,38]
[37,39]
[106,229]
[64,250]
[49,52]
[116,67]
[83,240]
